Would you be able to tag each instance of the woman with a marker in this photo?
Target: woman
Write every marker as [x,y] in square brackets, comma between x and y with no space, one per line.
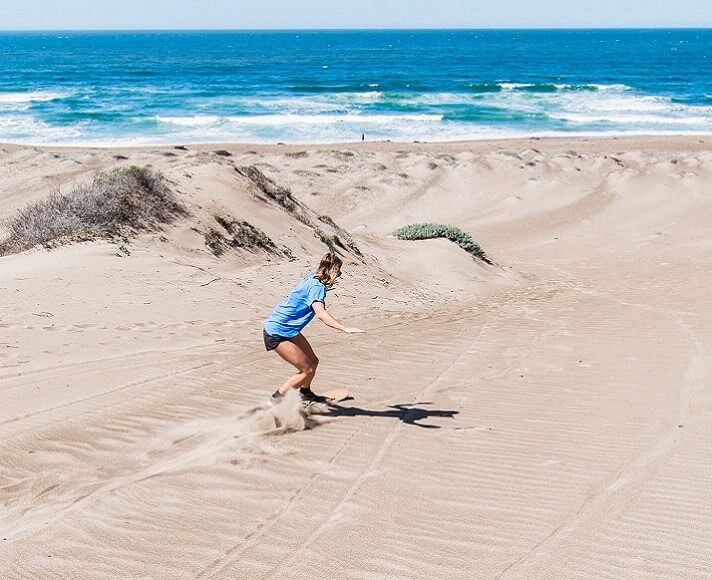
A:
[282,331]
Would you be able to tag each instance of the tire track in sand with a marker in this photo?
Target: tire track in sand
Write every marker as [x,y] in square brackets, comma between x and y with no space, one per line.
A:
[383,448]
[612,497]
[236,551]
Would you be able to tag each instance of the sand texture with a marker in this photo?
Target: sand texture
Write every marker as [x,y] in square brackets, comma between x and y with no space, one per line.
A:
[549,416]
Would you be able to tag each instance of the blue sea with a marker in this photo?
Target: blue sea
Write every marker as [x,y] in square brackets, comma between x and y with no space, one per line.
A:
[132,88]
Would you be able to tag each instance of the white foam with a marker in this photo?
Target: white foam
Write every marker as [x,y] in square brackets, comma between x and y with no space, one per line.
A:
[566,86]
[343,117]
[598,87]
[193,121]
[360,97]
[634,119]
[31,97]
[612,87]
[629,103]
[511,86]
[286,120]
[440,99]
[23,128]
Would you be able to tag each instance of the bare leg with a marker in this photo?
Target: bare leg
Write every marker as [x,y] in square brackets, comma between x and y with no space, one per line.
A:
[301,341]
[298,352]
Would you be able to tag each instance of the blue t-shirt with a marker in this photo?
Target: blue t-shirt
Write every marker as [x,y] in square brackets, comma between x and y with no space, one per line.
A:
[290,316]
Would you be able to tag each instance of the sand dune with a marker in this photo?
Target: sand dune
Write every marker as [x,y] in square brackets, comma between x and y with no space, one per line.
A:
[549,416]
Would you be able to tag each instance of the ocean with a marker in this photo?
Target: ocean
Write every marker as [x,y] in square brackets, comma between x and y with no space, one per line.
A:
[137,88]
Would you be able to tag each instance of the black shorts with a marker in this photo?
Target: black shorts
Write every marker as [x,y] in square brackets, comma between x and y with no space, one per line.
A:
[271,342]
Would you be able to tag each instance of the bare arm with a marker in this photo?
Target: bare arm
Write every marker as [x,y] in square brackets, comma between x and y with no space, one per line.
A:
[325,316]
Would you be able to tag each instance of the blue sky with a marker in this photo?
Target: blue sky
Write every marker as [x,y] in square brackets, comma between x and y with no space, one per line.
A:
[136,14]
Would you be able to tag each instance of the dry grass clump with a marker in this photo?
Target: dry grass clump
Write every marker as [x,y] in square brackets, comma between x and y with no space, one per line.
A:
[328,220]
[275,192]
[331,241]
[114,204]
[429,231]
[335,242]
[216,242]
[242,235]
[284,198]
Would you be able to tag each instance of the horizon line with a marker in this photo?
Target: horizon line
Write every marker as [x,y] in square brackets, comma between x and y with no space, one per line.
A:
[356,29]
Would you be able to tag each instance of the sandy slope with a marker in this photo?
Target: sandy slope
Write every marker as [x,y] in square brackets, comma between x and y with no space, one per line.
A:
[550,417]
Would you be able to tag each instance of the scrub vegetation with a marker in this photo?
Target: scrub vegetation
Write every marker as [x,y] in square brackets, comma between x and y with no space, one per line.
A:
[112,205]
[282,196]
[242,234]
[427,231]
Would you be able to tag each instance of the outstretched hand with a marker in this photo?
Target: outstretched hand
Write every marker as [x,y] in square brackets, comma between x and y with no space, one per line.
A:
[352,330]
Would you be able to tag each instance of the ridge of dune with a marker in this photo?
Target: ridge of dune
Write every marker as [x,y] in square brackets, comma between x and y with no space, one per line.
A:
[547,417]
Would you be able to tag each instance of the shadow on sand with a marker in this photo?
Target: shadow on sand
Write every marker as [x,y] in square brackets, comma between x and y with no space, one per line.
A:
[410,413]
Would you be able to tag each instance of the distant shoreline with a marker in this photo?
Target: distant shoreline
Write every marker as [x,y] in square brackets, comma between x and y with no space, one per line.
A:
[689,142]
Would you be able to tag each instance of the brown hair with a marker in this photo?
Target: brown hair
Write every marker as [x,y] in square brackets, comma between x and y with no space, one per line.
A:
[329,269]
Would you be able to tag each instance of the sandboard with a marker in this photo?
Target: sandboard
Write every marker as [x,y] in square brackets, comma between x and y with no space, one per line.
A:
[335,395]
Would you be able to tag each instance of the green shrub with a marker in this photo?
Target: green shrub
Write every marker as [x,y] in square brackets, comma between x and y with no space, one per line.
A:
[111,205]
[329,240]
[429,231]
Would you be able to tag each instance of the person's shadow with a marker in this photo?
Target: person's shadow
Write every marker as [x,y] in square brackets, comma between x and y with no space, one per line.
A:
[410,413]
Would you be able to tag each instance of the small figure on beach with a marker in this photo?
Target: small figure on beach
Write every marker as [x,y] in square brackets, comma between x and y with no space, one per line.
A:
[363,136]
[282,331]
